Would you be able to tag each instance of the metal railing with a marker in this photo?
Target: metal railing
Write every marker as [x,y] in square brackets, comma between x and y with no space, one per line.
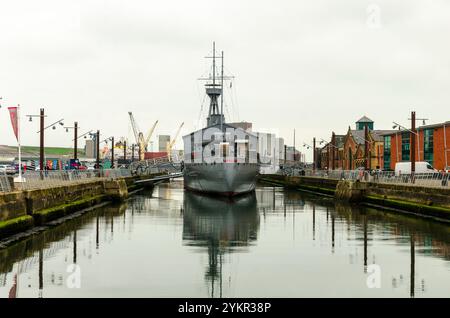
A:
[5,185]
[157,165]
[434,179]
[54,178]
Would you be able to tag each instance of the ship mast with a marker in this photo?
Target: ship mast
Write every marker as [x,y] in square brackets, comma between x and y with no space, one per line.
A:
[215,115]
[214,63]
[221,98]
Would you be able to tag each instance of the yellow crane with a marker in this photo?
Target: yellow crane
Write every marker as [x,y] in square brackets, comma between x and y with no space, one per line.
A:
[149,135]
[171,143]
[139,136]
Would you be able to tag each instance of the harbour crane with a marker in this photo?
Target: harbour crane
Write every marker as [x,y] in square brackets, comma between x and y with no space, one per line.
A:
[139,136]
[171,143]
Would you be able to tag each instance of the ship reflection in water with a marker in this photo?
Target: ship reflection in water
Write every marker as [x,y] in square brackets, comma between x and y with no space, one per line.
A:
[219,225]
[270,243]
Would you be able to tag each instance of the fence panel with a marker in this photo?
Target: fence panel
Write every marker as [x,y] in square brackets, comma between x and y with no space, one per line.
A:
[435,180]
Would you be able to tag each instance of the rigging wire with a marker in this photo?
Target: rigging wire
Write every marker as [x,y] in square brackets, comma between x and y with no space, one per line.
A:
[200,114]
[231,104]
[233,94]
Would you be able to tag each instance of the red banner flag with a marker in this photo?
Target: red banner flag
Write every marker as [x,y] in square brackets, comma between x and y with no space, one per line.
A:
[14,120]
[13,290]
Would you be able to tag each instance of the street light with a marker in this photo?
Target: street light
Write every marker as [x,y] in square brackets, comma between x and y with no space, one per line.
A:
[112,149]
[53,125]
[412,142]
[75,138]
[422,119]
[85,135]
[329,143]
[400,127]
[333,152]
[97,141]
[361,138]
[41,132]
[314,151]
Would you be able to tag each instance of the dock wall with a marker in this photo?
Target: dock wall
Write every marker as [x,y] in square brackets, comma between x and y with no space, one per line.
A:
[22,210]
[427,202]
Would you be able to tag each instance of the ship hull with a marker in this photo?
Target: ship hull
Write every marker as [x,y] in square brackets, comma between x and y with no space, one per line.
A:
[227,179]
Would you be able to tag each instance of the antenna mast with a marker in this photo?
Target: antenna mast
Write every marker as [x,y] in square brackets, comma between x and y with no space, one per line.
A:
[213,90]
[221,97]
[214,64]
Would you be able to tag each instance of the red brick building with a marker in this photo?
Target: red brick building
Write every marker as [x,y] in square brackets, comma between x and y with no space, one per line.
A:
[348,151]
[332,154]
[433,146]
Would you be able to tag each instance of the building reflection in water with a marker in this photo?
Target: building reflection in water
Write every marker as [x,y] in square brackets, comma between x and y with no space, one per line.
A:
[406,232]
[220,226]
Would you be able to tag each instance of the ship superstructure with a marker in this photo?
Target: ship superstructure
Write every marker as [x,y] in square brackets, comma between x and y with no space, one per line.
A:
[219,158]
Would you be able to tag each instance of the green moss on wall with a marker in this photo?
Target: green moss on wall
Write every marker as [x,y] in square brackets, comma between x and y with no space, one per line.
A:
[53,213]
[409,206]
[15,225]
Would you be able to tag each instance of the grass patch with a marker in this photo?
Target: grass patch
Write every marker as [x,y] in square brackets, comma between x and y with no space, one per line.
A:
[51,150]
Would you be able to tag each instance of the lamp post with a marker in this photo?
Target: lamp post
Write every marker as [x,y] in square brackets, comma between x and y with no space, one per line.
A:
[413,143]
[314,152]
[112,152]
[413,128]
[413,134]
[75,139]
[41,137]
[112,149]
[85,134]
[41,134]
[97,147]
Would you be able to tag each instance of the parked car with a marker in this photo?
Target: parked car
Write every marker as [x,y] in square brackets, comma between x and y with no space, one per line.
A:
[8,169]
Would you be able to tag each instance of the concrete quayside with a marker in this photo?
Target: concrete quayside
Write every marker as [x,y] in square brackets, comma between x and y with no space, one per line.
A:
[23,210]
[429,202]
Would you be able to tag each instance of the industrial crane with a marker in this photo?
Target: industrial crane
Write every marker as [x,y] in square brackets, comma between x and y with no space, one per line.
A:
[149,135]
[171,143]
[140,140]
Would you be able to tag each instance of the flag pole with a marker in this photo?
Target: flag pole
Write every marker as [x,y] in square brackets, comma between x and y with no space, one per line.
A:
[18,141]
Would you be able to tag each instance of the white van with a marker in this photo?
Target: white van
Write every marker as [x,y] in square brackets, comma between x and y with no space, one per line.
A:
[421,167]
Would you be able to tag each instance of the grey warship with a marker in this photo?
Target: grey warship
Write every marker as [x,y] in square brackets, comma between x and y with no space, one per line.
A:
[219,158]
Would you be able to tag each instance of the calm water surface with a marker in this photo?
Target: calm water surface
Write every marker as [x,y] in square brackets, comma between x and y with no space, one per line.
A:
[274,243]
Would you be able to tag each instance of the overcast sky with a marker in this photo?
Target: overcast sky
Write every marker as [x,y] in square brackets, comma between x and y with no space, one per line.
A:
[315,66]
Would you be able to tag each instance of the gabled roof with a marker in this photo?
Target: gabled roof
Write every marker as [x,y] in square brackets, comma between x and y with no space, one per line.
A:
[375,135]
[358,136]
[365,119]
[339,140]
